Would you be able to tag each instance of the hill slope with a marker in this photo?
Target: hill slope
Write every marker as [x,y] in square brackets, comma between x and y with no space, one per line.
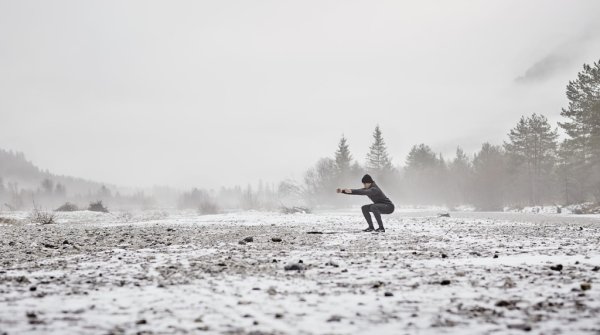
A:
[15,169]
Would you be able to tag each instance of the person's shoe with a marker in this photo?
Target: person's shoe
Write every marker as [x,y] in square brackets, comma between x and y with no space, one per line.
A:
[380,230]
[369,229]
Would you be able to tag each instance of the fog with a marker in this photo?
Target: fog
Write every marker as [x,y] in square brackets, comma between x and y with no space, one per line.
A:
[203,94]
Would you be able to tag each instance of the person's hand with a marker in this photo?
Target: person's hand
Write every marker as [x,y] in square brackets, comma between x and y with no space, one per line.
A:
[339,190]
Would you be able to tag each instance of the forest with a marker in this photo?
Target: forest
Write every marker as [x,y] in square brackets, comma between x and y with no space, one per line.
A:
[538,164]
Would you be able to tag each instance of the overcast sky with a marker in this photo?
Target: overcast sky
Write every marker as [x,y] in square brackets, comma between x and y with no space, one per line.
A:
[209,93]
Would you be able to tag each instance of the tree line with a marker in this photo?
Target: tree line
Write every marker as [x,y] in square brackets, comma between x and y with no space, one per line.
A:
[532,167]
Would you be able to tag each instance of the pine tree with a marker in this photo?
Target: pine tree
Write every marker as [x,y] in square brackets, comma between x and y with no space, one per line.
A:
[421,157]
[249,199]
[461,161]
[378,161]
[60,190]
[47,186]
[343,158]
[460,171]
[425,175]
[489,177]
[583,126]
[532,152]
[570,184]
[356,172]
[104,192]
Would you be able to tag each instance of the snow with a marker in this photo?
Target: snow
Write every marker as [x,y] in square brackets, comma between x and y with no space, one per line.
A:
[174,272]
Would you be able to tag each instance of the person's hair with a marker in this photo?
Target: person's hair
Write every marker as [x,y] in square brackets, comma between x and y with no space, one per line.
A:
[367,179]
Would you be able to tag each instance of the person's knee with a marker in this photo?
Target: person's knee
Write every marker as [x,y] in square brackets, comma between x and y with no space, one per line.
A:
[366,208]
[373,208]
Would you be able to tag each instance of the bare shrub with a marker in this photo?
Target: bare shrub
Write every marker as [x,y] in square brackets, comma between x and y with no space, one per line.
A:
[41,216]
[155,215]
[591,209]
[67,207]
[7,220]
[294,209]
[208,206]
[585,208]
[125,216]
[97,207]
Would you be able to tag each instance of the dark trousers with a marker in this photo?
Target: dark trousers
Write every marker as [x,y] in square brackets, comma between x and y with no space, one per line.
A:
[377,210]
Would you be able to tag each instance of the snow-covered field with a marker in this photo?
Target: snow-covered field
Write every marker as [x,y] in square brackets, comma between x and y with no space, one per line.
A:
[176,273]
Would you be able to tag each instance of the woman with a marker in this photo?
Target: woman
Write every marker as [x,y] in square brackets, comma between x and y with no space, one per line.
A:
[381,203]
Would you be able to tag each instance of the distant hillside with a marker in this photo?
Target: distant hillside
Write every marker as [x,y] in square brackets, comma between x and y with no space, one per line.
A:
[16,169]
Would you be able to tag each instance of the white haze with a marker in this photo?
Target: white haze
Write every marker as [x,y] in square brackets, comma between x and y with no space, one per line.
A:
[209,93]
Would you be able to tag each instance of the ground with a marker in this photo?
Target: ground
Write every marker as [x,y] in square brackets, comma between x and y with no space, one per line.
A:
[177,273]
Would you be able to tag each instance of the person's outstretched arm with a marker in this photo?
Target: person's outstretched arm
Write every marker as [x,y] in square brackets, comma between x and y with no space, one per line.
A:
[358,191]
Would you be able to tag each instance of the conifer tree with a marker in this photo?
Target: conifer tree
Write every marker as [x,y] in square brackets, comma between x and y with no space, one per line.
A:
[343,158]
[460,177]
[571,186]
[425,175]
[583,125]
[489,177]
[378,161]
[421,157]
[532,154]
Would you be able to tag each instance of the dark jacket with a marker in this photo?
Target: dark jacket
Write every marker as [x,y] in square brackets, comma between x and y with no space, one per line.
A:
[374,193]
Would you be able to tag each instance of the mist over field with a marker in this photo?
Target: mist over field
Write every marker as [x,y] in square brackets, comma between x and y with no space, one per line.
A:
[184,94]
[273,167]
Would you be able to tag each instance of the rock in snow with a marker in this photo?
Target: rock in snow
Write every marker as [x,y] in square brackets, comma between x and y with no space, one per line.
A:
[159,276]
[294,267]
